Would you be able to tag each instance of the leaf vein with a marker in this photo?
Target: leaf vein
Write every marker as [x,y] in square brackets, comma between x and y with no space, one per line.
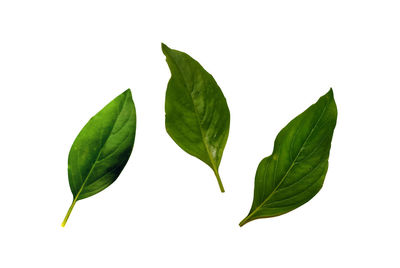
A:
[291,166]
[100,151]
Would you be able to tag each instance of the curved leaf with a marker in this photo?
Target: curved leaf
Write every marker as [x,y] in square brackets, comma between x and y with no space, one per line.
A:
[296,170]
[102,148]
[196,113]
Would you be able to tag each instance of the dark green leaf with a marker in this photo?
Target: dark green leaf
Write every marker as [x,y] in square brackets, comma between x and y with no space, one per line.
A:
[102,148]
[196,113]
[296,170]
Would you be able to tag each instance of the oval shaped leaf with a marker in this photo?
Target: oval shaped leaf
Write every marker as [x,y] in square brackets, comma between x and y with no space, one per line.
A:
[102,148]
[196,113]
[296,170]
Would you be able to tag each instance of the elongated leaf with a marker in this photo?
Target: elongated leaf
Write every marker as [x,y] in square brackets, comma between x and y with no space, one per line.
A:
[196,113]
[296,170]
[102,148]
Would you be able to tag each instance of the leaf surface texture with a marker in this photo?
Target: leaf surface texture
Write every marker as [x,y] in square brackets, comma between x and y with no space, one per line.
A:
[196,113]
[296,170]
[102,148]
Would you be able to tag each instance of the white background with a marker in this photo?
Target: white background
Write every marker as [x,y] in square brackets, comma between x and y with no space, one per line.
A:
[62,61]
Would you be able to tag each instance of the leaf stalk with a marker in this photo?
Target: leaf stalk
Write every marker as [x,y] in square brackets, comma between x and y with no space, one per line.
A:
[244,221]
[221,187]
[69,212]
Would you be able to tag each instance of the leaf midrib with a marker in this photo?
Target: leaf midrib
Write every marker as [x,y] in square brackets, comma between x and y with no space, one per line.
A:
[197,117]
[98,155]
[289,169]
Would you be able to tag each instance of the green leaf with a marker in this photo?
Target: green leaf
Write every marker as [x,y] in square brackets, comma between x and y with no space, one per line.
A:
[102,148]
[296,170]
[196,113]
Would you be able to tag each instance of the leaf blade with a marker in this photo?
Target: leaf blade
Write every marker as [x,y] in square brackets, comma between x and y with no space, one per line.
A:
[294,173]
[197,115]
[102,148]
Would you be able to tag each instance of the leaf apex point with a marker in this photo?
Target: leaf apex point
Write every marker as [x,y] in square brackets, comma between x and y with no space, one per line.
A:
[329,94]
[164,47]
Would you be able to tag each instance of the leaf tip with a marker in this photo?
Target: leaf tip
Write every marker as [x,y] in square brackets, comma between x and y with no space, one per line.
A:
[330,92]
[127,94]
[164,48]
[329,95]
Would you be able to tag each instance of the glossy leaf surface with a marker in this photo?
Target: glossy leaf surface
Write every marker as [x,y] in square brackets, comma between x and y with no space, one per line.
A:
[102,148]
[196,113]
[296,170]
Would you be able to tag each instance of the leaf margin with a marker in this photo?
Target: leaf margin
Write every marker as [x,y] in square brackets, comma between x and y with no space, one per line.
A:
[127,94]
[250,217]
[214,165]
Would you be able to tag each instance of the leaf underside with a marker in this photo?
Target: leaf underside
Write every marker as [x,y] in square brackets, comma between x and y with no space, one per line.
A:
[196,113]
[296,170]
